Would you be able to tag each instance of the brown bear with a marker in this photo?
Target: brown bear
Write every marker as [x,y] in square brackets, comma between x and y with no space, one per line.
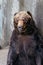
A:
[26,41]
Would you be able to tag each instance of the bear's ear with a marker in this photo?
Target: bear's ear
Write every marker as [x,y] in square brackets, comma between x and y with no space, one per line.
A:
[32,21]
[15,14]
[29,13]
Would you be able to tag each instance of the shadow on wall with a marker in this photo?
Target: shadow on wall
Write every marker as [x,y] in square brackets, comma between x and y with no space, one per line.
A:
[39,15]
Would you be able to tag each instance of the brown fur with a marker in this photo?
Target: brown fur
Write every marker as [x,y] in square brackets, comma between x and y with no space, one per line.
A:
[25,46]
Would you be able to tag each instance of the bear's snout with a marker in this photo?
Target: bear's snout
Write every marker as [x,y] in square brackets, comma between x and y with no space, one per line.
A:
[20,25]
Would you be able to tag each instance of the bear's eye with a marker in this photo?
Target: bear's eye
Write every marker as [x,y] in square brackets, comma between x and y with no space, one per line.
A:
[24,24]
[16,21]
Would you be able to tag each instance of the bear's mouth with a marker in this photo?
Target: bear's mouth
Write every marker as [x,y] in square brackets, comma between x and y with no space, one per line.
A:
[26,31]
[21,28]
[22,31]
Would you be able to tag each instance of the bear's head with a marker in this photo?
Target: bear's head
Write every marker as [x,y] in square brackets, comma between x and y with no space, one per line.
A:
[24,23]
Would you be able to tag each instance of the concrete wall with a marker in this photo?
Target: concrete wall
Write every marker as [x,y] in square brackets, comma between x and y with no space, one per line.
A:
[6,20]
[39,14]
[12,6]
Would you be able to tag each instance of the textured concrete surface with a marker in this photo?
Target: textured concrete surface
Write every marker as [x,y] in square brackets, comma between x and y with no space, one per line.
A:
[3,56]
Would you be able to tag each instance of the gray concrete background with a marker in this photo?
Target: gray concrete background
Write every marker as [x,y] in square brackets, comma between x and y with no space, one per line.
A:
[3,56]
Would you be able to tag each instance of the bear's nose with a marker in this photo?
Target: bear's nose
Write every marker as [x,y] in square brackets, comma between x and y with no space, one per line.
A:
[20,25]
[19,28]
